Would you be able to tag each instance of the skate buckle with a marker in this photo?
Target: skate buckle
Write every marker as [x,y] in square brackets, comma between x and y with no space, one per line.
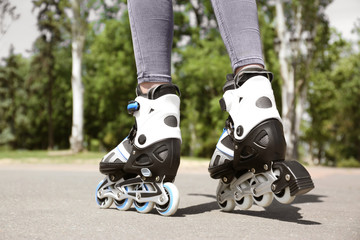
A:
[146,172]
[132,107]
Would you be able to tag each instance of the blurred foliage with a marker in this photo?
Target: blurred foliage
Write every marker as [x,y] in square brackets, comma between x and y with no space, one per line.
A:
[330,131]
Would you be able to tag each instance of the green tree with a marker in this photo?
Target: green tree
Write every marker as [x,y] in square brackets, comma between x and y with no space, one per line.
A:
[51,23]
[110,82]
[12,99]
[201,76]
[346,119]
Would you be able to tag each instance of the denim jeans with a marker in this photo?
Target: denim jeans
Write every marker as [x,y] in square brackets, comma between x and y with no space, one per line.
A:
[151,23]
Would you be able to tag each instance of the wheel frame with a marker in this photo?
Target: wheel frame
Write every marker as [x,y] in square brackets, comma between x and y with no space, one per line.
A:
[266,199]
[283,196]
[126,203]
[246,201]
[102,202]
[145,207]
[172,205]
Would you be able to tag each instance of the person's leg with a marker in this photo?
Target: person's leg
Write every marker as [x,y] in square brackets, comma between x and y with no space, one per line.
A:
[239,28]
[151,24]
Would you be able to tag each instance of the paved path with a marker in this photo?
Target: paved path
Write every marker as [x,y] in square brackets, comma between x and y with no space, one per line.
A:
[57,202]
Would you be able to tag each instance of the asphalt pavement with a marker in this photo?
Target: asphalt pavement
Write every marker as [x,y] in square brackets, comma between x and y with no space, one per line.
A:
[58,202]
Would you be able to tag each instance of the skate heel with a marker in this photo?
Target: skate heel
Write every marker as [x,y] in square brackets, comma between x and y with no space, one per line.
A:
[294,176]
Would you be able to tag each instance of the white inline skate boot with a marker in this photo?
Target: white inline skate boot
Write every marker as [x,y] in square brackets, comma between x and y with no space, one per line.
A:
[141,169]
[249,156]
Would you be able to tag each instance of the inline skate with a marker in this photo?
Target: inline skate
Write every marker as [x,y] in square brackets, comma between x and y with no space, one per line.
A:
[249,158]
[141,169]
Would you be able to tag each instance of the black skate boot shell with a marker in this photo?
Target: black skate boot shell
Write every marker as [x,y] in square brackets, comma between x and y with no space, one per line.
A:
[254,153]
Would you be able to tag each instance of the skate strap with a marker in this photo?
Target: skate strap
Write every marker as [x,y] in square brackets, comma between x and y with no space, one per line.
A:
[235,81]
[159,91]
[162,90]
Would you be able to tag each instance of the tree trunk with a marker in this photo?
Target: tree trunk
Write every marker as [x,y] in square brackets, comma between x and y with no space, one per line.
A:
[76,139]
[50,110]
[78,39]
[291,109]
[287,74]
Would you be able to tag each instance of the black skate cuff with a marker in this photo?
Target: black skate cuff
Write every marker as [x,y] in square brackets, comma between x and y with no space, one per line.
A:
[159,91]
[235,81]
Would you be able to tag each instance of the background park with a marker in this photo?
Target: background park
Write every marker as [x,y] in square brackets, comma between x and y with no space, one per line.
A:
[63,106]
[48,110]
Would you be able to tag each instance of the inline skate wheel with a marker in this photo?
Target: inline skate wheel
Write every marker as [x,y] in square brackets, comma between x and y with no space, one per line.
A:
[144,207]
[172,205]
[266,199]
[247,201]
[103,202]
[284,196]
[227,205]
[124,204]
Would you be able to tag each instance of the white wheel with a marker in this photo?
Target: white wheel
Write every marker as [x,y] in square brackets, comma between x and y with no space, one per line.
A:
[103,202]
[227,206]
[172,205]
[284,196]
[124,204]
[245,203]
[266,199]
[144,207]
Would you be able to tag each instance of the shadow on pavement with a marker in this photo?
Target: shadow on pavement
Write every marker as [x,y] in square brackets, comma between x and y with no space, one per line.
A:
[198,209]
[276,210]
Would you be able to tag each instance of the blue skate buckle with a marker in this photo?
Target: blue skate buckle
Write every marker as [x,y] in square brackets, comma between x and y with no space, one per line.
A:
[132,107]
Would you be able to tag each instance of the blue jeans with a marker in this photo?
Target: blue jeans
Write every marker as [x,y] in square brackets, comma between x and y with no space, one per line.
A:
[152,34]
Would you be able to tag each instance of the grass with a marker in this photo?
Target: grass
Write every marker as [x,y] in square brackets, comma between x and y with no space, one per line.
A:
[38,156]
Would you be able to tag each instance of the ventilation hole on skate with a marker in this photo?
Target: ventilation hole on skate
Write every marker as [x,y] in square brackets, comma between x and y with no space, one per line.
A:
[161,153]
[263,102]
[217,159]
[171,121]
[142,139]
[247,152]
[264,141]
[127,145]
[109,157]
[227,142]
[227,161]
[143,160]
[117,160]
